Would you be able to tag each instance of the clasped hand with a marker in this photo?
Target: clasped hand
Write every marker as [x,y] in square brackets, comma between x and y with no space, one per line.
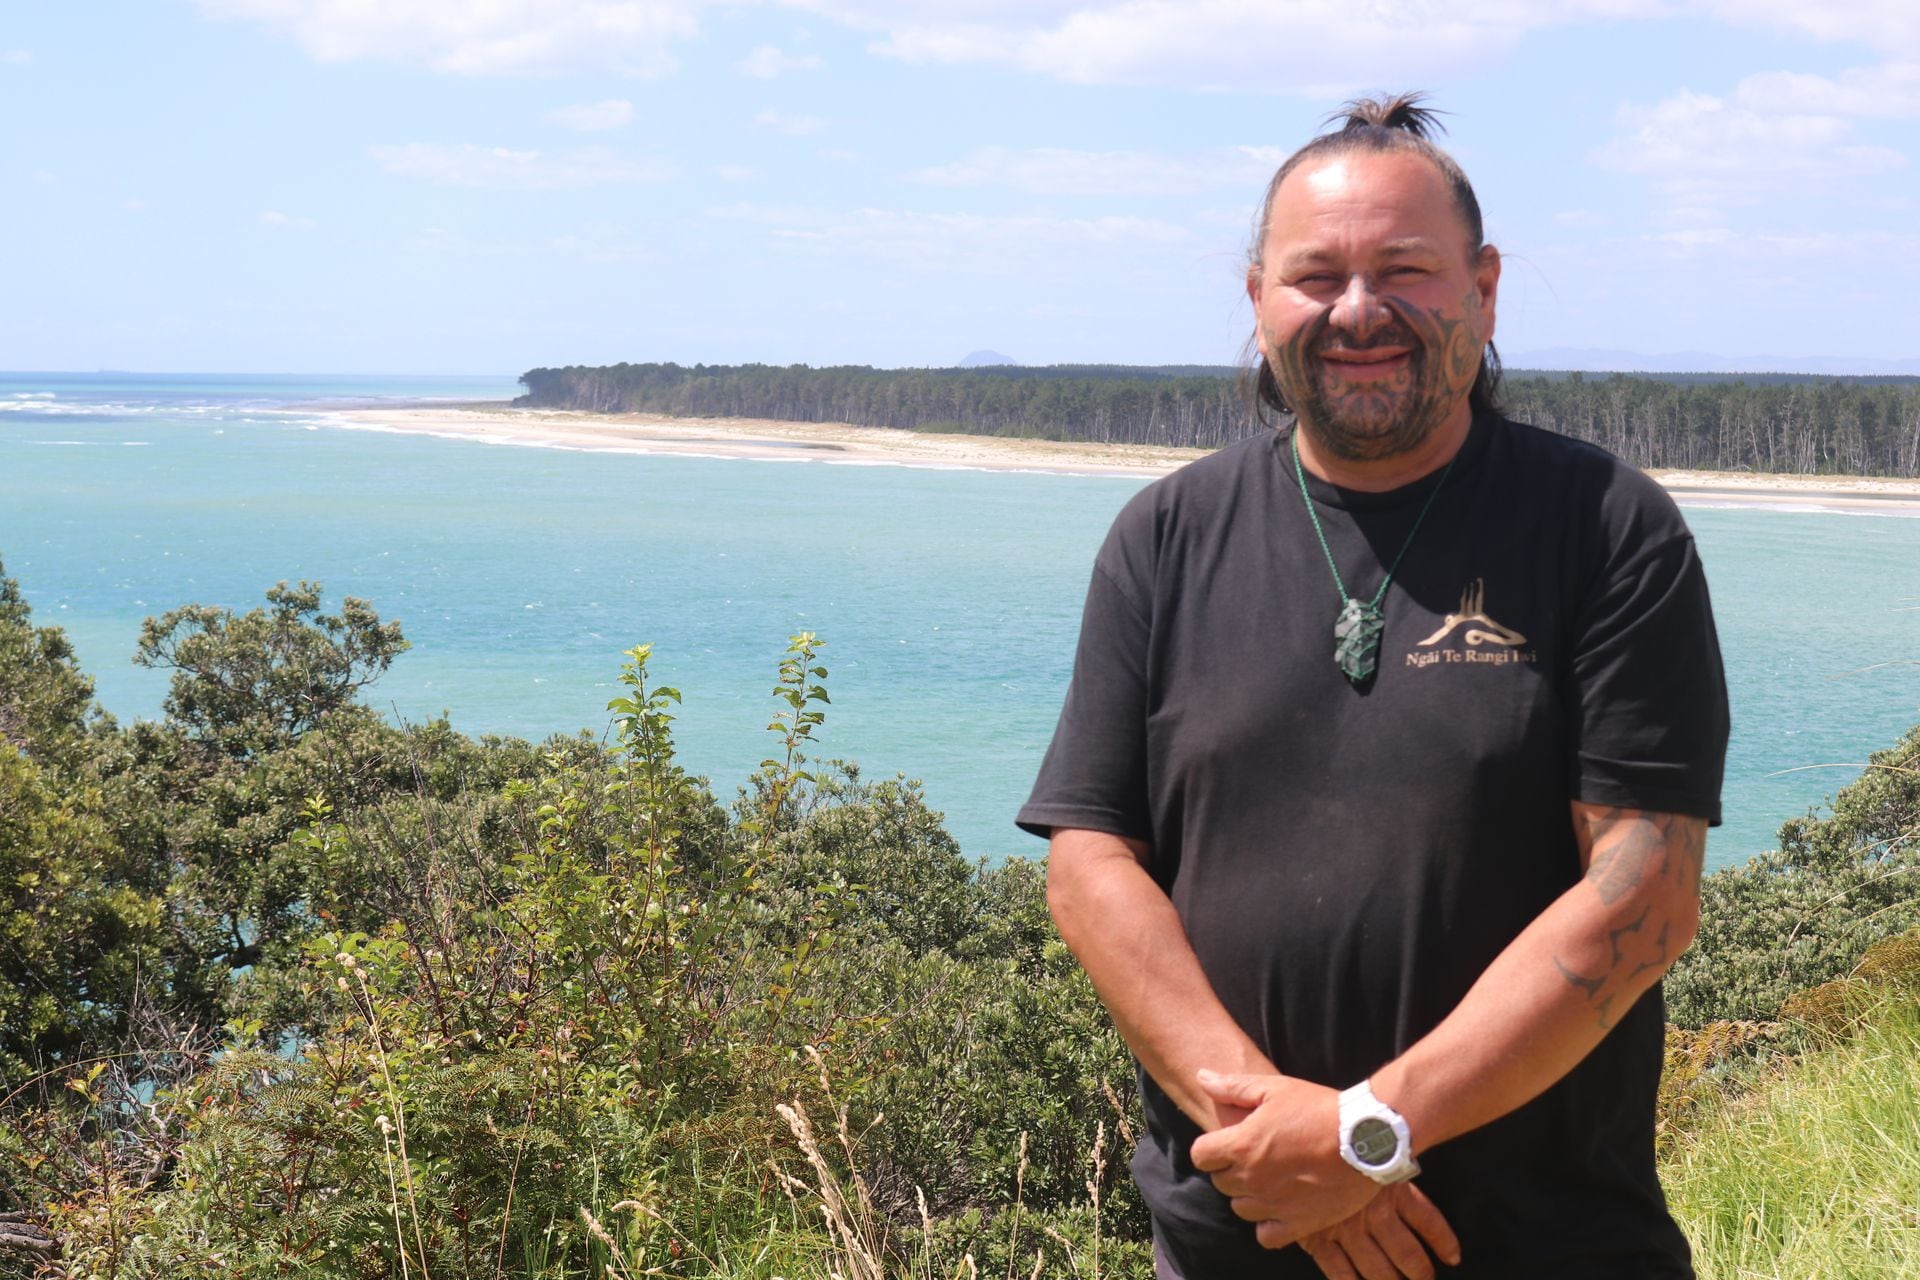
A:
[1278,1162]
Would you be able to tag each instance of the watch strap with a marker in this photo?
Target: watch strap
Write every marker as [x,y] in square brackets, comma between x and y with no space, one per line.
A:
[1371,1121]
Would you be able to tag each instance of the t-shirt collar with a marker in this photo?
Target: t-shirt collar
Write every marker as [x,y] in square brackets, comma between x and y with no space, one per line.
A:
[1332,495]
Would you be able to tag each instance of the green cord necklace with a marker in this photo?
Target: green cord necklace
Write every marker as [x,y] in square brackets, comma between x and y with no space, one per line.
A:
[1356,632]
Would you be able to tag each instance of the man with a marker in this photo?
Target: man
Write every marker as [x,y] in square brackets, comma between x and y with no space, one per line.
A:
[1378,801]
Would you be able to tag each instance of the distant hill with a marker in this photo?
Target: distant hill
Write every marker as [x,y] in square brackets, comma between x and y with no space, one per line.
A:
[981,359]
[1600,360]
[1699,379]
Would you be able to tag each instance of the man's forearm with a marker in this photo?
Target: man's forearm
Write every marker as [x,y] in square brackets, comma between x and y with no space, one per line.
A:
[1560,986]
[1128,938]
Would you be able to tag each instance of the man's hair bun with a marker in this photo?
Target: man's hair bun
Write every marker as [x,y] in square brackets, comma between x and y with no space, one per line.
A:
[1402,111]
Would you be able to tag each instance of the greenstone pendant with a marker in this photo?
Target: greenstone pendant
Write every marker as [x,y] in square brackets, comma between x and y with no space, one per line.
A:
[1356,639]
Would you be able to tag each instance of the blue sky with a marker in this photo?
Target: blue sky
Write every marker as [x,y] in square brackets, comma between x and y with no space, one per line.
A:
[466,187]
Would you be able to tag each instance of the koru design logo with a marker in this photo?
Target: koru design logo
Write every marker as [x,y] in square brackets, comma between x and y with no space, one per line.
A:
[1484,642]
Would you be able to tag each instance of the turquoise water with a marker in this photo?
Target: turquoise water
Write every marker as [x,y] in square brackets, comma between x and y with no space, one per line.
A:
[949,599]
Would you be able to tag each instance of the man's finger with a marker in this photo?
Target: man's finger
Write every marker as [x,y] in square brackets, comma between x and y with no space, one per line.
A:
[1231,1183]
[1254,1209]
[1329,1256]
[1420,1213]
[1275,1234]
[1210,1152]
[1369,1259]
[1398,1249]
[1234,1090]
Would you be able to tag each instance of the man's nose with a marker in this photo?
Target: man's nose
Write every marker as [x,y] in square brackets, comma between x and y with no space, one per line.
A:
[1358,310]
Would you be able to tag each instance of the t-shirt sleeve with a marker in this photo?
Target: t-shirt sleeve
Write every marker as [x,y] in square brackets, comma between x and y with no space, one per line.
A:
[1651,699]
[1094,775]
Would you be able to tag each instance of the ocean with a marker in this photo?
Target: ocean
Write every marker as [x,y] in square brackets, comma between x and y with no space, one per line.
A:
[948,599]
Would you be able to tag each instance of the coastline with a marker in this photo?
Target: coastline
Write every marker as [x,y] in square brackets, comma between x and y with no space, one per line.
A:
[765,440]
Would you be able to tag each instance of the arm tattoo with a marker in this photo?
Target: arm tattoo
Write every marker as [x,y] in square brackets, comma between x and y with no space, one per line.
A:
[1627,843]
[1660,958]
[1589,985]
[1614,935]
[1635,852]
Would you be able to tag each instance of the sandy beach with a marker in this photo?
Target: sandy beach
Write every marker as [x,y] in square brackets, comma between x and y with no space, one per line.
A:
[847,445]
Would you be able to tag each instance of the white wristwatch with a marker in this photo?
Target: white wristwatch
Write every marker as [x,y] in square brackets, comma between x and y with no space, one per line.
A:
[1374,1137]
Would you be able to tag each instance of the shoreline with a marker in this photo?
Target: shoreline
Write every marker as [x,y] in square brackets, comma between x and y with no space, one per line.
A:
[766,440]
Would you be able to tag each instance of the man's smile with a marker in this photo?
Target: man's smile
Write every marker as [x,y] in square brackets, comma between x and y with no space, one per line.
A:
[1359,364]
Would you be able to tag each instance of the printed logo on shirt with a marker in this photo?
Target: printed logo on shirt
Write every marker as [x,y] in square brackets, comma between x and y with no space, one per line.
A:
[1486,642]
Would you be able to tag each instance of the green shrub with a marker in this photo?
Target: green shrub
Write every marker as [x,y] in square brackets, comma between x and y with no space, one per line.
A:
[533,1012]
[1803,915]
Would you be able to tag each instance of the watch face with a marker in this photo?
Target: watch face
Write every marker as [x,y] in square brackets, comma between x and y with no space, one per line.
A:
[1373,1141]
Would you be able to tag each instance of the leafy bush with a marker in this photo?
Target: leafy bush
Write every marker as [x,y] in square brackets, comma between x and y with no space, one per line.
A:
[1803,915]
[495,1009]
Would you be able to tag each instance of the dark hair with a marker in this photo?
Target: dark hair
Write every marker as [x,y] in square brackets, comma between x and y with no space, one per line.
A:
[1398,123]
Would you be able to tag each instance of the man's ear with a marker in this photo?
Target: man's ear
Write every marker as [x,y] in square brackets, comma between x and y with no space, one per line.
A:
[1486,286]
[1255,289]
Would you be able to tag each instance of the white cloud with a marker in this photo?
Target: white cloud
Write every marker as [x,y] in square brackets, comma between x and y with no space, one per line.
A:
[1820,263]
[1312,47]
[594,117]
[604,247]
[15,57]
[1696,215]
[1580,219]
[287,222]
[467,165]
[1891,91]
[733,173]
[960,241]
[1051,171]
[629,37]
[1705,150]
[794,126]
[1889,25]
[458,244]
[767,62]
[1773,288]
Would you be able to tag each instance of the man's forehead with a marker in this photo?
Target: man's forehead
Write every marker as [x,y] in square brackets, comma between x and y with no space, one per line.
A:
[1398,202]
[1349,175]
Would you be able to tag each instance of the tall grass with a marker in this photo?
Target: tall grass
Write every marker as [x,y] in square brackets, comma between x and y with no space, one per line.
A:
[1817,1173]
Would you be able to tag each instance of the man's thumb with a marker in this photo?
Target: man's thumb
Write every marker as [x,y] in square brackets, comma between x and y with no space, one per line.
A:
[1234,1090]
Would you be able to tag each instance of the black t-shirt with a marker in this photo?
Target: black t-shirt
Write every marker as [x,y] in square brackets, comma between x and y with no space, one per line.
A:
[1347,860]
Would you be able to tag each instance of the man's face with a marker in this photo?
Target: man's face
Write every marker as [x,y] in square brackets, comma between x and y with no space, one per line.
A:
[1371,309]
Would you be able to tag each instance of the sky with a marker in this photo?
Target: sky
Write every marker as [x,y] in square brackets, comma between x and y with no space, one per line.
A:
[486,186]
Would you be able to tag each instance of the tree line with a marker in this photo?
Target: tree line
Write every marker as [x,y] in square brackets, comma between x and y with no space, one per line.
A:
[1815,425]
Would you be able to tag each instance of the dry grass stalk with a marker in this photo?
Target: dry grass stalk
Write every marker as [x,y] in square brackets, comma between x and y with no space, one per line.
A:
[399,1122]
[849,1222]
[1121,1118]
[616,1264]
[1093,1187]
[1019,1200]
